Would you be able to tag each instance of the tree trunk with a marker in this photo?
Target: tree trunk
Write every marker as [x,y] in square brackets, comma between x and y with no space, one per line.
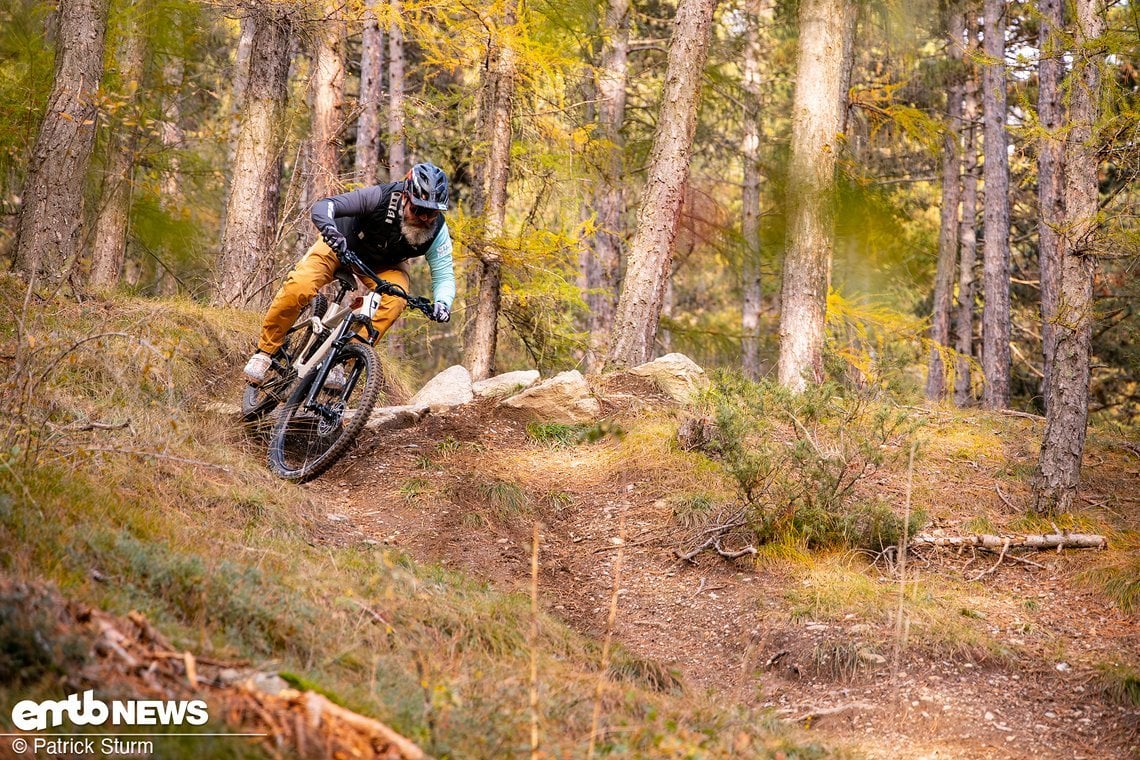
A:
[397,139]
[826,29]
[51,217]
[497,100]
[174,75]
[951,198]
[604,265]
[371,91]
[1066,420]
[109,247]
[968,234]
[326,103]
[1050,171]
[251,208]
[995,249]
[651,253]
[241,77]
[750,196]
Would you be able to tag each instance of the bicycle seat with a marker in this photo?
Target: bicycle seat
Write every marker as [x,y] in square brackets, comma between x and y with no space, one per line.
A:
[345,276]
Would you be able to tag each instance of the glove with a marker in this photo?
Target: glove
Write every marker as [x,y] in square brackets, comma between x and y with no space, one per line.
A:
[440,312]
[334,240]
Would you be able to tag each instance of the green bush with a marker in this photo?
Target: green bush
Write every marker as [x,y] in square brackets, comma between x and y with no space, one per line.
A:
[797,459]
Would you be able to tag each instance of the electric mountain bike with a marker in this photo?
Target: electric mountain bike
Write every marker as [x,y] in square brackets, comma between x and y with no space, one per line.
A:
[327,376]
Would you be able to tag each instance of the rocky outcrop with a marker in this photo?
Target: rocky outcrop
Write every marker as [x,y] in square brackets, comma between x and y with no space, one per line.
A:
[563,398]
[676,375]
[505,384]
[396,417]
[449,388]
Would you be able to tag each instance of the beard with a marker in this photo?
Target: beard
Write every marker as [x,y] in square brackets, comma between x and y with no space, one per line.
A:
[416,232]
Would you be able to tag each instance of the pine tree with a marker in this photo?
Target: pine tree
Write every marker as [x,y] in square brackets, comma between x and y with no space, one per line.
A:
[827,28]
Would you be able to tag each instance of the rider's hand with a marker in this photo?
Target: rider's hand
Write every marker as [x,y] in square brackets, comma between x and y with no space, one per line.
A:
[440,312]
[335,240]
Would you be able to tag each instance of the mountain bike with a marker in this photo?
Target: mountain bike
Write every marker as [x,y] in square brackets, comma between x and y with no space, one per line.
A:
[327,375]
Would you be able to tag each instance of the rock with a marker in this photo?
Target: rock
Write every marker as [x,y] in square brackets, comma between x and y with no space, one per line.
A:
[505,384]
[676,375]
[449,388]
[396,417]
[269,683]
[563,398]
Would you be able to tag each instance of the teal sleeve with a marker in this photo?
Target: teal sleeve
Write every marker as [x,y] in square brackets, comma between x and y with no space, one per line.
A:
[442,269]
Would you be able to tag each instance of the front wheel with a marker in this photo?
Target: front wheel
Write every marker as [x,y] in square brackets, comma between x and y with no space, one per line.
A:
[308,438]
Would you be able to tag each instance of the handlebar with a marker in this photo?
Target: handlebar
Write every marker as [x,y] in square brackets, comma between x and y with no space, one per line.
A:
[387,288]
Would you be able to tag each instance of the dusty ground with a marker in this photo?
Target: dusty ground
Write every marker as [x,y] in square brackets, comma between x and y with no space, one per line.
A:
[1027,691]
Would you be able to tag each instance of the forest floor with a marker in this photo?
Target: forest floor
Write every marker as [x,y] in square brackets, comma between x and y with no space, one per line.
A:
[1017,664]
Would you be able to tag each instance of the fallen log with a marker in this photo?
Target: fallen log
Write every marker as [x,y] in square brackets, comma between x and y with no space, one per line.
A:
[1037,542]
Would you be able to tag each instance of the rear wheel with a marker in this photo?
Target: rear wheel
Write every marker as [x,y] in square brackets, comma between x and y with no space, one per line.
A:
[259,400]
[307,439]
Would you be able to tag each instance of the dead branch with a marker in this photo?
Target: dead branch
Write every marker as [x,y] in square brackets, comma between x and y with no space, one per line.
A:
[1039,542]
[1002,496]
[820,712]
[1004,549]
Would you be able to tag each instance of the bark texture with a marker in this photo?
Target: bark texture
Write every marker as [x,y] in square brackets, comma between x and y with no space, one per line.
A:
[1050,171]
[968,234]
[51,214]
[1066,420]
[995,250]
[603,262]
[251,207]
[326,103]
[109,246]
[397,139]
[497,103]
[951,200]
[750,196]
[818,109]
[371,91]
[651,253]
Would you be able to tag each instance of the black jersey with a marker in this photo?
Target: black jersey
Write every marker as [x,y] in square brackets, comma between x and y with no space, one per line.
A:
[369,220]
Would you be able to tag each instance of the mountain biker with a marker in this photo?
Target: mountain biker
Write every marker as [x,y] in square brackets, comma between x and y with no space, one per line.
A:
[386,226]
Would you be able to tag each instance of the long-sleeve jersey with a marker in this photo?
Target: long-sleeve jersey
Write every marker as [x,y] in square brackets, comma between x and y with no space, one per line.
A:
[369,221]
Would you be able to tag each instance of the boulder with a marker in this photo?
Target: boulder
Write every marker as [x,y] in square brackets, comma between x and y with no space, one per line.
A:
[563,398]
[449,388]
[505,384]
[676,375]
[396,417]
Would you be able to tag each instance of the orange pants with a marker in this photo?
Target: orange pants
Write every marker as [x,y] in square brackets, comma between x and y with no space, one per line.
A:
[313,272]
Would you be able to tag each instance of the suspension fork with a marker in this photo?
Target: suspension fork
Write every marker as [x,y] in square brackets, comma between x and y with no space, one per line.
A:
[345,333]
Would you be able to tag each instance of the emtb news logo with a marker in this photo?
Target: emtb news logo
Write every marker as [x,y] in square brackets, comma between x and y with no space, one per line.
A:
[30,715]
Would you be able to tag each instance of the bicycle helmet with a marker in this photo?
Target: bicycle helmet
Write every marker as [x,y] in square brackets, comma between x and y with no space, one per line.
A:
[426,186]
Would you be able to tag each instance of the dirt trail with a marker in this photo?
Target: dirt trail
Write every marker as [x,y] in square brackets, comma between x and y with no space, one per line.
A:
[726,626]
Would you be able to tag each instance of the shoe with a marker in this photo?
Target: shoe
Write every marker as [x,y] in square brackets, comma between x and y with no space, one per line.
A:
[256,368]
[336,380]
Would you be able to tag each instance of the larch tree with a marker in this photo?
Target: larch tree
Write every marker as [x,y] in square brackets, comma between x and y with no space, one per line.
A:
[1050,170]
[496,107]
[968,232]
[109,245]
[827,29]
[1067,408]
[397,61]
[995,248]
[371,92]
[51,214]
[603,257]
[949,212]
[651,252]
[246,254]
[326,106]
[750,196]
